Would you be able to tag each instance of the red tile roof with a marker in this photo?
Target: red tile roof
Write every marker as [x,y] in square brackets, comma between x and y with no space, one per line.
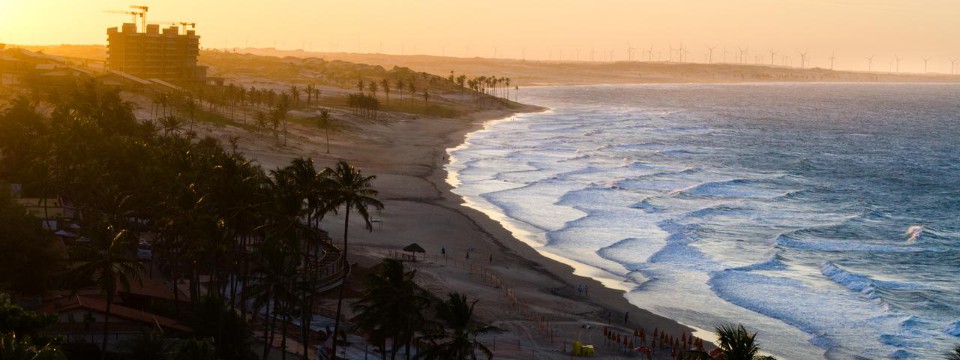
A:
[115,310]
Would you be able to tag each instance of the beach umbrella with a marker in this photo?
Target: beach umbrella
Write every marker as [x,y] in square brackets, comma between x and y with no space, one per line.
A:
[414,249]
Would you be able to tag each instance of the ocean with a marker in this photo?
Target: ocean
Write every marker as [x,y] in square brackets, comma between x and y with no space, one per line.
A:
[825,217]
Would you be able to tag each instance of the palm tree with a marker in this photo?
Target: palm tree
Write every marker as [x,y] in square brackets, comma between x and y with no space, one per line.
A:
[295,93]
[171,124]
[399,88]
[271,290]
[955,354]
[386,88]
[346,186]
[461,342]
[107,261]
[391,307]
[736,343]
[324,122]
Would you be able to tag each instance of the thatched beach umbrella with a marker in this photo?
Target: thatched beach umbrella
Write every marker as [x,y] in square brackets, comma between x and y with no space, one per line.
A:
[414,249]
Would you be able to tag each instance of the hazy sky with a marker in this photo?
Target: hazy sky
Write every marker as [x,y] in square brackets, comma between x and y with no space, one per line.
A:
[536,29]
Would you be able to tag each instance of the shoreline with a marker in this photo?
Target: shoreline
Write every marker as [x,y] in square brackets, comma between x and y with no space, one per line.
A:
[520,290]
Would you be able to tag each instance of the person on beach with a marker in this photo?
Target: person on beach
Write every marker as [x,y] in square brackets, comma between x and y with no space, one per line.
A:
[443,251]
[491,259]
[579,290]
[586,291]
[626,317]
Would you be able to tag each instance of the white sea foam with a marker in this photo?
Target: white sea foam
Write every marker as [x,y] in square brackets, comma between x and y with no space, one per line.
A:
[673,205]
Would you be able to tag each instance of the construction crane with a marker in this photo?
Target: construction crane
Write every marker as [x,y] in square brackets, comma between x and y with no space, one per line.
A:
[183,25]
[134,14]
[138,12]
[143,15]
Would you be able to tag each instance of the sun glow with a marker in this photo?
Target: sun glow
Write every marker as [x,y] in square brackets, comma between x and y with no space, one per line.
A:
[837,32]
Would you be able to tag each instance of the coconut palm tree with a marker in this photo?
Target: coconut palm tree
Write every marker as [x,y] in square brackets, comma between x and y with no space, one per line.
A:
[391,307]
[460,342]
[386,88]
[324,122]
[372,86]
[107,261]
[346,186]
[736,343]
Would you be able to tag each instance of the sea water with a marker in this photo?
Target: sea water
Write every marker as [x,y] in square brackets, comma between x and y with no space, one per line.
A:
[825,217]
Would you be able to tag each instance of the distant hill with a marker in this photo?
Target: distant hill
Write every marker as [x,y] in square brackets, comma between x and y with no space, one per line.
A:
[532,72]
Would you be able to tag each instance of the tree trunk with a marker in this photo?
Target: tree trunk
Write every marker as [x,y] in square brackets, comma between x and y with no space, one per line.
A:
[106,323]
[336,322]
[267,331]
[283,332]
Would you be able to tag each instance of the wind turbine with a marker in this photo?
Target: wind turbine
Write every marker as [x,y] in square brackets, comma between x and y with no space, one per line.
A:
[953,66]
[925,60]
[773,55]
[724,54]
[833,57]
[803,59]
[629,52]
[710,59]
[870,63]
[897,59]
[743,54]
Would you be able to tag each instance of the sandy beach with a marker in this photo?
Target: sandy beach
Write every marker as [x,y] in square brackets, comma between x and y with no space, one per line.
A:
[535,300]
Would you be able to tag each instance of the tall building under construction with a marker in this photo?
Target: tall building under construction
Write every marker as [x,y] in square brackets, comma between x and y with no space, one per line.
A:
[168,55]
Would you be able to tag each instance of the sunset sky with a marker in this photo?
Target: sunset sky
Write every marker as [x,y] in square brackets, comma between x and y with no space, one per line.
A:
[535,29]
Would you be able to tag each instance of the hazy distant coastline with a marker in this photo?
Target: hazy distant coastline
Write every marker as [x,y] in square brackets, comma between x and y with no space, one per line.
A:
[538,72]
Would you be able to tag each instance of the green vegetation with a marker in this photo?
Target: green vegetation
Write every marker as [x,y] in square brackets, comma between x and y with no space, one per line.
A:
[19,333]
[214,215]
[391,313]
[456,338]
[391,307]
[13,347]
[107,261]
[24,244]
[418,93]
[735,343]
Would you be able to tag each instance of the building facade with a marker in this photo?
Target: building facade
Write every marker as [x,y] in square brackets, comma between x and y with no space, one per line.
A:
[167,55]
